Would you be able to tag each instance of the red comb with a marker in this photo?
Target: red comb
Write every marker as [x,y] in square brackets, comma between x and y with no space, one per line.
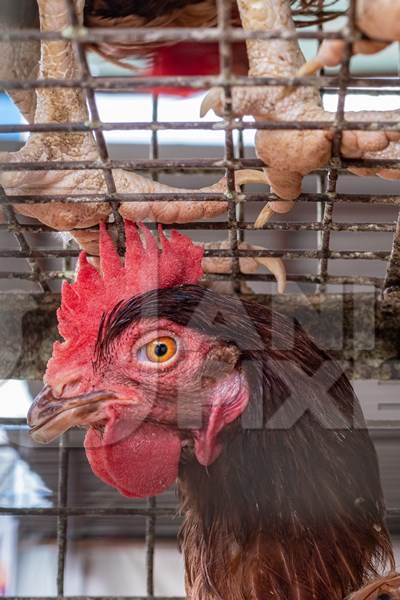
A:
[146,267]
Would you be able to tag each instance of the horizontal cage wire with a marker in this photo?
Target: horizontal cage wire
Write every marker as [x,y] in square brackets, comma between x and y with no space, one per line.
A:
[315,265]
[333,206]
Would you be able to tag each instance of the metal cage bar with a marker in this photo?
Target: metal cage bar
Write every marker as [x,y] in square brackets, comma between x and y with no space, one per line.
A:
[236,225]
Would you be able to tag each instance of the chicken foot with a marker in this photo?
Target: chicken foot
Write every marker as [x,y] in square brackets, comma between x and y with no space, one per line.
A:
[57,105]
[378,19]
[63,105]
[247,264]
[290,155]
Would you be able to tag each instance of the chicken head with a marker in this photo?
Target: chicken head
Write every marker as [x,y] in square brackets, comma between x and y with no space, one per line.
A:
[146,384]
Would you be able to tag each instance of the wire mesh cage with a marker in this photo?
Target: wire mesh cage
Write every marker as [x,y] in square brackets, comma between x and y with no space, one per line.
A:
[329,183]
[334,210]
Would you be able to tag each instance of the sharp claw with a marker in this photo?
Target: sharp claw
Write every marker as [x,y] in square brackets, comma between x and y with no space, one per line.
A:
[263,217]
[248,265]
[276,206]
[277,268]
[210,102]
[246,176]
[310,67]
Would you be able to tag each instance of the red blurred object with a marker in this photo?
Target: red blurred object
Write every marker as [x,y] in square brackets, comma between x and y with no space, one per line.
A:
[191,60]
[3,580]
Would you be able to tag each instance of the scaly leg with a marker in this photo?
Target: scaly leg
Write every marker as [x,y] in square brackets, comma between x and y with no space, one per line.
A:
[67,105]
[248,265]
[57,105]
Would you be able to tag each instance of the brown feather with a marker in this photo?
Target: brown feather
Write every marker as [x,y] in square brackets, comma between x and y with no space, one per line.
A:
[200,14]
[174,13]
[289,514]
[316,11]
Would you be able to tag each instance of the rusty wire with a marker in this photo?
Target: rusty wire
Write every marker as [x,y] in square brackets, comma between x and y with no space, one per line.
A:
[325,199]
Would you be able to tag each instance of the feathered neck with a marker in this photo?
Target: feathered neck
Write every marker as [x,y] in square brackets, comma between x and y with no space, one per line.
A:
[254,528]
[291,513]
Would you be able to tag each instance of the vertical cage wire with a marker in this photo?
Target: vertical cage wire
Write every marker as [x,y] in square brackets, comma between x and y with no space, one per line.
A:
[325,198]
[322,233]
[62,519]
[235,226]
[151,521]
[224,11]
[95,124]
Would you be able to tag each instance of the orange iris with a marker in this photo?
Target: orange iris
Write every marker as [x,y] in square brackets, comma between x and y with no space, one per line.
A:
[161,349]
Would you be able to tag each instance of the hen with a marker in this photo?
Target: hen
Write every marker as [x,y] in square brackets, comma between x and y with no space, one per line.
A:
[277,475]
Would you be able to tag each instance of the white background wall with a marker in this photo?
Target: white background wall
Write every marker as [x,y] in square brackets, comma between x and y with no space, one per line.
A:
[99,568]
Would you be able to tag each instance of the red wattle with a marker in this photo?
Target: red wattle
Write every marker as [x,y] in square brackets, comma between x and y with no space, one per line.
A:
[227,401]
[144,462]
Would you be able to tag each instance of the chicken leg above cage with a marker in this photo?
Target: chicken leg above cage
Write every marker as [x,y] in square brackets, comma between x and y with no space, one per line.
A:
[290,155]
[379,20]
[63,105]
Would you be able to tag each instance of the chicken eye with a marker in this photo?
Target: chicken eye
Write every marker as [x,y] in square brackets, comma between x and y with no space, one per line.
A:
[159,350]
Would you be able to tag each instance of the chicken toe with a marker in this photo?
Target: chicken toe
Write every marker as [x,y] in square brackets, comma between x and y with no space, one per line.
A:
[248,264]
[333,52]
[379,20]
[178,211]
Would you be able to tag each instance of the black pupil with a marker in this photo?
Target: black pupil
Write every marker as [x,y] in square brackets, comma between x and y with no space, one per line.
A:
[161,350]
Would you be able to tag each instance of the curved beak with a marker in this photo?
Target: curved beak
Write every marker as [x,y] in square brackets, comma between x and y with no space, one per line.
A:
[50,417]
